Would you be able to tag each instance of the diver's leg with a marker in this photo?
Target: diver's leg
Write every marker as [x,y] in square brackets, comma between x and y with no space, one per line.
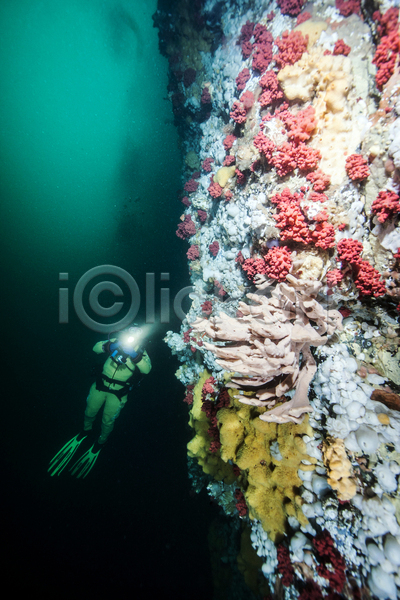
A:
[94,402]
[111,411]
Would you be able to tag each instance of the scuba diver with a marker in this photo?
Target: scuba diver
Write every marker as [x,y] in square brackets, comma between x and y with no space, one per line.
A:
[110,391]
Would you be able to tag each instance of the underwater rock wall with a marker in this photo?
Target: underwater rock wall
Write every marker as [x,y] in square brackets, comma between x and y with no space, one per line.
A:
[289,118]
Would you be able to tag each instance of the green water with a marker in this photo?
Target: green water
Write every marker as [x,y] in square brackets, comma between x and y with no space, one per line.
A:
[84,128]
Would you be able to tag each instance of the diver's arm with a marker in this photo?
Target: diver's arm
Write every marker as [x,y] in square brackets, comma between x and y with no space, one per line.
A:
[100,347]
[144,365]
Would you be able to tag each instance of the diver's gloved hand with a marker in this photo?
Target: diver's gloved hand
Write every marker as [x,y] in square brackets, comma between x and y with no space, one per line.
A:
[85,464]
[63,457]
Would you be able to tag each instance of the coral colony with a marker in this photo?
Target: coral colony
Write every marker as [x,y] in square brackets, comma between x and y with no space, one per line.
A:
[289,114]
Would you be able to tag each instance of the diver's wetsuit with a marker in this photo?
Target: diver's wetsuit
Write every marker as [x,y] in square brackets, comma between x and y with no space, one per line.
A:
[106,391]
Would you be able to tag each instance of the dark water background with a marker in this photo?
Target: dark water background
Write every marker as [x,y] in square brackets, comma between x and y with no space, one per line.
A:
[89,173]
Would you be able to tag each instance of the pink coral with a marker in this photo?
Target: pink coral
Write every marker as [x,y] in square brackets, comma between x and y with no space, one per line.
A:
[285,159]
[305,16]
[341,48]
[202,215]
[229,160]
[349,250]
[264,145]
[242,79]
[215,189]
[189,394]
[291,47]
[186,229]
[357,167]
[193,252]
[300,125]
[238,112]
[290,219]
[240,503]
[191,185]
[333,277]
[291,7]
[253,267]
[278,261]
[323,235]
[307,158]
[247,99]
[229,141]
[271,89]
[319,180]
[389,47]
[206,307]
[263,41]
[284,565]
[205,96]
[348,7]
[368,280]
[214,248]
[206,164]
[386,205]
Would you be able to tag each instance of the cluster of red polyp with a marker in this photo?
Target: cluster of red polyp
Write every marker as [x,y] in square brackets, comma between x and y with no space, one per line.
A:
[240,504]
[275,264]
[389,46]
[211,407]
[367,279]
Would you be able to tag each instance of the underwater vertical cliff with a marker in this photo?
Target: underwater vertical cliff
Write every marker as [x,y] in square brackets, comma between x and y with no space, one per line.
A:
[289,117]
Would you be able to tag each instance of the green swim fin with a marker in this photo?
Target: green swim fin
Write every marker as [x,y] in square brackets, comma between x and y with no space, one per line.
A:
[63,457]
[84,465]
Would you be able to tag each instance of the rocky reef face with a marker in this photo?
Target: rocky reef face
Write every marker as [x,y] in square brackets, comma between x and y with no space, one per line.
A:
[289,118]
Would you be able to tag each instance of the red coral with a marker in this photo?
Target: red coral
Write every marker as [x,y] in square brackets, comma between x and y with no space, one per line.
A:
[191,185]
[228,195]
[303,17]
[219,288]
[285,159]
[215,189]
[319,180]
[277,263]
[208,386]
[348,7]
[291,48]
[206,164]
[300,125]
[242,79]
[264,145]
[291,7]
[229,141]
[186,201]
[389,47]
[205,96]
[332,565]
[214,248]
[290,219]
[349,250]
[241,177]
[202,215]
[333,277]
[307,158]
[189,394]
[240,503]
[206,307]
[341,48]
[310,591]
[386,205]
[238,113]
[284,565]
[323,235]
[229,160]
[253,267]
[193,252]
[316,197]
[186,229]
[368,280]
[262,58]
[247,99]
[271,89]
[247,49]
[357,167]
[186,335]
[246,32]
